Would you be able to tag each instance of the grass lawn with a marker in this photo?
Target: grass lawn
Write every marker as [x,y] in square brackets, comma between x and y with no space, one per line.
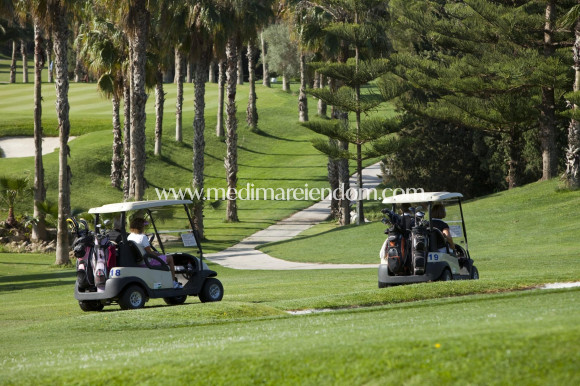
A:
[247,338]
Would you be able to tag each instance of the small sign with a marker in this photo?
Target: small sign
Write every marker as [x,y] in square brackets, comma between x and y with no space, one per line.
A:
[455,231]
[188,240]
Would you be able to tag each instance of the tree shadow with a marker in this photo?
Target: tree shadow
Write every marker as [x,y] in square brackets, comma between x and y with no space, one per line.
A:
[268,135]
[33,281]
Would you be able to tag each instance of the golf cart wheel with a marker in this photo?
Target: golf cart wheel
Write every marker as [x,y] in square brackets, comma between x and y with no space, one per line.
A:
[91,305]
[132,298]
[212,291]
[446,275]
[474,274]
[175,300]
[383,285]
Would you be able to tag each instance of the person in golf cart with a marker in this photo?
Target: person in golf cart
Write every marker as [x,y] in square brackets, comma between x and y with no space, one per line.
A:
[438,213]
[137,227]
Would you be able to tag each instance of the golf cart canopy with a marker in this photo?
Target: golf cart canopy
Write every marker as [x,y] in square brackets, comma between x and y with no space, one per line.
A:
[420,197]
[136,205]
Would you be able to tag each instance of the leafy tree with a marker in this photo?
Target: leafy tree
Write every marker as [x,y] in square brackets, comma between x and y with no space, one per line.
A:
[283,55]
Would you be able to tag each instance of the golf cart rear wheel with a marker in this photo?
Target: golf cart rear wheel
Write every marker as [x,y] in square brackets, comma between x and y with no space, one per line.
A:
[446,275]
[212,291]
[91,305]
[175,300]
[474,274]
[132,298]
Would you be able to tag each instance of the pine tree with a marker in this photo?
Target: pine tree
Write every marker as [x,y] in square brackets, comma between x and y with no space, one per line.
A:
[359,32]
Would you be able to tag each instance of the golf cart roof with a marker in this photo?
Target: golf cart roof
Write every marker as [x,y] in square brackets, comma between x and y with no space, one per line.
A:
[420,197]
[136,205]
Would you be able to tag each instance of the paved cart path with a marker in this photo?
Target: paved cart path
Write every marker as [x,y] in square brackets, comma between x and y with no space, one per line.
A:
[244,255]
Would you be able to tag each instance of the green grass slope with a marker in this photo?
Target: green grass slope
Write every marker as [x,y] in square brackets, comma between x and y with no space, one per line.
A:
[531,231]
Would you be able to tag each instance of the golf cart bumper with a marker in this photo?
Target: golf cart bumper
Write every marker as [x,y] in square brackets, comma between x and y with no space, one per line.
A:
[433,272]
[115,286]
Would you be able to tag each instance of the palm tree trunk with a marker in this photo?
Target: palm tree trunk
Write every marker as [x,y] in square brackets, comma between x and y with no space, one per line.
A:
[332,168]
[39,228]
[231,160]
[514,152]
[302,98]
[240,68]
[179,103]
[321,104]
[24,62]
[548,106]
[62,111]
[220,110]
[159,104]
[13,62]
[211,72]
[285,82]
[343,180]
[265,67]
[79,68]
[252,111]
[127,138]
[49,60]
[199,139]
[572,174]
[138,41]
[189,72]
[117,159]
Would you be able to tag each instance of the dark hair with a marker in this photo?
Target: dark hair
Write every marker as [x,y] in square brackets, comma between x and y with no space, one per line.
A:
[438,211]
[405,207]
[138,224]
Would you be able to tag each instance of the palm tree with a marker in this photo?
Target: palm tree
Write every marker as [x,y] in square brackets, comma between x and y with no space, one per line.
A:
[105,48]
[221,84]
[252,111]
[244,18]
[57,16]
[24,54]
[265,67]
[12,189]
[39,226]
[13,62]
[572,174]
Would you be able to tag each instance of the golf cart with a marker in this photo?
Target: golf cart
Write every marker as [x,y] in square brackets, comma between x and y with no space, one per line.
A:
[112,269]
[411,254]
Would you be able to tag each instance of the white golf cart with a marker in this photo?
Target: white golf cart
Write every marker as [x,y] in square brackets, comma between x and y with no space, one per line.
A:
[112,269]
[412,252]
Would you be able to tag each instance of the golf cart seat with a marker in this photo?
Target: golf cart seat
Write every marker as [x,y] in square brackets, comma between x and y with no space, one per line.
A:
[138,257]
[438,238]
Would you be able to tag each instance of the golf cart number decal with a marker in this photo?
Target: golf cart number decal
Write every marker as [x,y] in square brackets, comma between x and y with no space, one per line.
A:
[433,257]
[115,272]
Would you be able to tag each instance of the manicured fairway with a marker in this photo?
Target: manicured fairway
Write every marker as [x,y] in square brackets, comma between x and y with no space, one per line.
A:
[519,337]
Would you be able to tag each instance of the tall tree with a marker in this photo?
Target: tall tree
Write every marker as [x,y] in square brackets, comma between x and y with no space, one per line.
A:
[572,173]
[252,111]
[57,13]
[39,227]
[24,53]
[265,64]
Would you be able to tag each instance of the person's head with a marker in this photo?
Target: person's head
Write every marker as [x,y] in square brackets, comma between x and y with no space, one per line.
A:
[438,211]
[137,225]
[405,207]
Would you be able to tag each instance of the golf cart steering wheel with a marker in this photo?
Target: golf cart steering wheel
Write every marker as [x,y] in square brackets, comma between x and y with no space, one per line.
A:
[151,237]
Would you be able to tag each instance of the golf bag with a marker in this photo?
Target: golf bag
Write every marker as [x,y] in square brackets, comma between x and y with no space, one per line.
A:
[104,257]
[83,250]
[397,246]
[420,248]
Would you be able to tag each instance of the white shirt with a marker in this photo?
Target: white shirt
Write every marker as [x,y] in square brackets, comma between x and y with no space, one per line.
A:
[139,238]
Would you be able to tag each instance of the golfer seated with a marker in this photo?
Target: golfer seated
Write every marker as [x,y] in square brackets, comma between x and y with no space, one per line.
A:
[437,214]
[137,227]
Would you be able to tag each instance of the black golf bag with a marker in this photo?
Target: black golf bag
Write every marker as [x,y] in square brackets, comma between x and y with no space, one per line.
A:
[83,250]
[398,248]
[420,248]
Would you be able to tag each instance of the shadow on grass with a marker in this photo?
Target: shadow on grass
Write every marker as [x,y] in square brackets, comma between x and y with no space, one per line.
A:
[33,281]
[268,135]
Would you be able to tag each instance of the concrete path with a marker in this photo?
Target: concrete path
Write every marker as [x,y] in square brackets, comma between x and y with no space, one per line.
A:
[16,147]
[244,256]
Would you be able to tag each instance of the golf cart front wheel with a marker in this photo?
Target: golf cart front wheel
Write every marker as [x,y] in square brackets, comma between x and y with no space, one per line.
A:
[91,305]
[474,274]
[132,298]
[175,300]
[446,275]
[212,291]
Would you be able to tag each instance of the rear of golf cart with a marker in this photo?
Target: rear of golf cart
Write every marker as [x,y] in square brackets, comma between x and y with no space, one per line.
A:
[114,270]
[410,254]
